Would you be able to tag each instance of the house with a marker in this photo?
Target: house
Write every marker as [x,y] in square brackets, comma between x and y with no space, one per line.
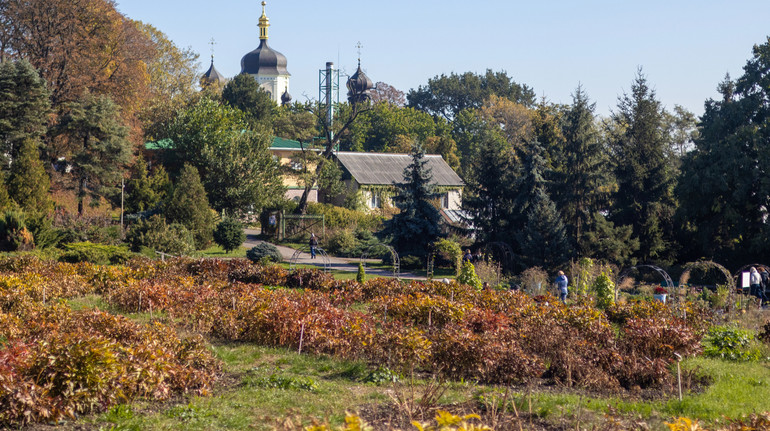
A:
[283,150]
[375,176]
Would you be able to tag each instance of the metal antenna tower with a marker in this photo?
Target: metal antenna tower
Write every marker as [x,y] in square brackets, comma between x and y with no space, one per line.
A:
[329,93]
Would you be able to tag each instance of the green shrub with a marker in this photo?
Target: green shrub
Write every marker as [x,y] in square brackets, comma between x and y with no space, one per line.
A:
[99,254]
[605,291]
[156,234]
[341,242]
[264,251]
[453,251]
[468,276]
[229,234]
[731,343]
[14,235]
[340,218]
[361,275]
[408,262]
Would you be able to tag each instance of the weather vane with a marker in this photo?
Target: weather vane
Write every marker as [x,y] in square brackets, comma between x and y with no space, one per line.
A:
[212,43]
[359,46]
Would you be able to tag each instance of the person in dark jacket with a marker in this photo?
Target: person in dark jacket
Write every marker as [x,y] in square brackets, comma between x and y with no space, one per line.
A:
[313,245]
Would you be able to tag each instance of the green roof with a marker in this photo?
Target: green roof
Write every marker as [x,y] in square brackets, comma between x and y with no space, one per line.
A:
[285,144]
[277,144]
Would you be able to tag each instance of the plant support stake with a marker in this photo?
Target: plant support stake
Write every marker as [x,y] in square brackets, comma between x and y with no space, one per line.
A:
[301,336]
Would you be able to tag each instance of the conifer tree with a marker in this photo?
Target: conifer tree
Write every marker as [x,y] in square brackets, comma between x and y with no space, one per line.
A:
[417,225]
[24,105]
[583,183]
[644,197]
[542,240]
[28,183]
[189,207]
[143,191]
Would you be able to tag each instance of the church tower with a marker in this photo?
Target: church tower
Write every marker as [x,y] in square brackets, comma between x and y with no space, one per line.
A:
[267,65]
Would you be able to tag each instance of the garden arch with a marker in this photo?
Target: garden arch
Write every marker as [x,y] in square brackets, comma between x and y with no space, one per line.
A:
[393,254]
[319,252]
[706,265]
[623,274]
[744,267]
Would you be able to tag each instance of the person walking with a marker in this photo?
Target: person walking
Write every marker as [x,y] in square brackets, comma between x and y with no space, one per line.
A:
[561,283]
[313,245]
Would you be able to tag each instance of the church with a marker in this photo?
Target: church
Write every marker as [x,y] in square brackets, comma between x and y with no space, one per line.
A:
[266,65]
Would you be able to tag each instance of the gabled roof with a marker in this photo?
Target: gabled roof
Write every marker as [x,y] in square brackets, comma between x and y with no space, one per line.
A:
[388,168]
[285,144]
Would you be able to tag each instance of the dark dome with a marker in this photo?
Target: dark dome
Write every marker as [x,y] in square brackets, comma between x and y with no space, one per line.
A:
[359,86]
[213,75]
[285,97]
[264,60]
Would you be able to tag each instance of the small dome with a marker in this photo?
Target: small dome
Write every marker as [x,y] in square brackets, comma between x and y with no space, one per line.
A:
[212,75]
[285,97]
[264,60]
[359,86]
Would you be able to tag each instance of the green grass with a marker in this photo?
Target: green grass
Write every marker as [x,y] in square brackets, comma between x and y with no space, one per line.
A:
[218,252]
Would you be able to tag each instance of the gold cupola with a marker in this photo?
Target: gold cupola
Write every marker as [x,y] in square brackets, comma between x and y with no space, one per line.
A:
[264,23]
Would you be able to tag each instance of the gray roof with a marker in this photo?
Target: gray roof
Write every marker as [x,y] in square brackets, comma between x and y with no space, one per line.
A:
[388,168]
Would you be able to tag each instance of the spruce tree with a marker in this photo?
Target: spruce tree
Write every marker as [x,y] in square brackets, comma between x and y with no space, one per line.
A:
[24,105]
[582,179]
[189,207]
[28,183]
[143,191]
[417,224]
[491,184]
[542,238]
[644,197]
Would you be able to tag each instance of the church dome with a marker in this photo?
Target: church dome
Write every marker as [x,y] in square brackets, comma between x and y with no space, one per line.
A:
[212,75]
[264,60]
[285,97]
[359,86]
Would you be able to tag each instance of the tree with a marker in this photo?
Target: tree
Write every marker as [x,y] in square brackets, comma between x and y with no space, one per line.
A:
[173,80]
[79,45]
[384,93]
[189,207]
[379,129]
[143,191]
[581,182]
[28,183]
[445,96]
[542,241]
[416,226]
[97,144]
[232,156]
[644,197]
[513,119]
[24,105]
[294,122]
[724,189]
[244,93]
[492,180]
[229,234]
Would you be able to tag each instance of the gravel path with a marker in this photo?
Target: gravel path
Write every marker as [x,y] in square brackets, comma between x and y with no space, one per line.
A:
[338,263]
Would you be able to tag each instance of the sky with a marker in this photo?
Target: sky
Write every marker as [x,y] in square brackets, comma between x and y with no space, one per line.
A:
[684,47]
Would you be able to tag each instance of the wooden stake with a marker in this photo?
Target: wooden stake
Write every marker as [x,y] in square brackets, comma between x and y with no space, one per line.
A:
[301,336]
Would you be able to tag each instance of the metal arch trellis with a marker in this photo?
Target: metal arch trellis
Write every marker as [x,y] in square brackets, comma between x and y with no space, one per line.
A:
[659,270]
[701,264]
[741,269]
[319,251]
[393,254]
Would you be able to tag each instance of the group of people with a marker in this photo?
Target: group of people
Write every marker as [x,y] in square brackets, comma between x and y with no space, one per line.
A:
[758,283]
[473,258]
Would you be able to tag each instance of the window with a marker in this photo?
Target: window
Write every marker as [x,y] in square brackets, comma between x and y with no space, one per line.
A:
[375,202]
[445,200]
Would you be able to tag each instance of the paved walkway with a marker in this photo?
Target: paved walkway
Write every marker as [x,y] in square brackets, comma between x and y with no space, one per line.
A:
[338,263]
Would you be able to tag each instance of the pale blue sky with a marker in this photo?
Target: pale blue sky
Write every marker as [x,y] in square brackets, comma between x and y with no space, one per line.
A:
[685,47]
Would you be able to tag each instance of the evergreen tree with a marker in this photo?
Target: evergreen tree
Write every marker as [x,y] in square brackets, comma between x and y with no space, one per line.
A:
[582,184]
[28,183]
[542,240]
[725,186]
[417,224]
[143,191]
[100,147]
[24,105]
[229,234]
[490,192]
[189,207]
[644,197]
